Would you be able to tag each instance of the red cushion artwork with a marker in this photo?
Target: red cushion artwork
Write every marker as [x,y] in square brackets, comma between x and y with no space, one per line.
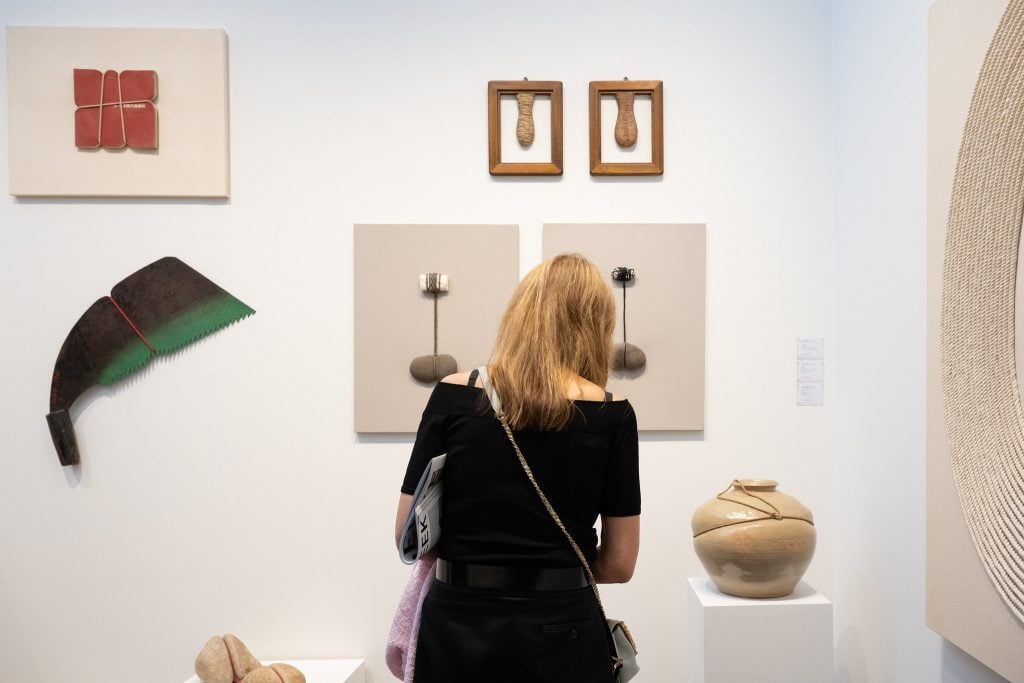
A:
[115,110]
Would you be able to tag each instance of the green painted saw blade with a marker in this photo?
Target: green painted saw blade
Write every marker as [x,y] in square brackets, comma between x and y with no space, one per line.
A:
[157,310]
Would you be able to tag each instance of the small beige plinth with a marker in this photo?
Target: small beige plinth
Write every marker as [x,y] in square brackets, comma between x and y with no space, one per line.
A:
[321,670]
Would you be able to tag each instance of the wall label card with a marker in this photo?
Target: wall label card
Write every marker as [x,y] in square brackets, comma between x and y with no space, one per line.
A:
[810,394]
[810,348]
[810,371]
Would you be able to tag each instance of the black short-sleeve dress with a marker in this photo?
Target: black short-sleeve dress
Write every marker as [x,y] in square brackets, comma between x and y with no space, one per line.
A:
[491,515]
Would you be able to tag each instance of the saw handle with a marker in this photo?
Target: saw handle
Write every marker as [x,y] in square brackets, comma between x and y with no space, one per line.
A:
[63,434]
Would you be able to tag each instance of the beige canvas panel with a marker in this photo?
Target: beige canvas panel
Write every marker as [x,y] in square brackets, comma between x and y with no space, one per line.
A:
[665,311]
[394,320]
[192,110]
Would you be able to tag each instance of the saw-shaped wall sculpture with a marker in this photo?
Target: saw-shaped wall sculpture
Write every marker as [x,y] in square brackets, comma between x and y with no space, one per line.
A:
[156,310]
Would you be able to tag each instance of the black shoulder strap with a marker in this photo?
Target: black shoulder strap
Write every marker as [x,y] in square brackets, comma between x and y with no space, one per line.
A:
[473,375]
[607,396]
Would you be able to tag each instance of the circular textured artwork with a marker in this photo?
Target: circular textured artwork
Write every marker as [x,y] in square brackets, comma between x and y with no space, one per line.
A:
[983,415]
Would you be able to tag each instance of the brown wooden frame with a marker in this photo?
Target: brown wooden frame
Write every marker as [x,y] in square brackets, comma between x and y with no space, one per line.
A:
[495,89]
[657,163]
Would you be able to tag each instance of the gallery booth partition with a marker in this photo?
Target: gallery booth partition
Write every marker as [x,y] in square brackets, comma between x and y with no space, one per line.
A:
[785,181]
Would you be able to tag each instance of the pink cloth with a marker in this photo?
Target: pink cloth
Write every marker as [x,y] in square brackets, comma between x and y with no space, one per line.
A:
[400,654]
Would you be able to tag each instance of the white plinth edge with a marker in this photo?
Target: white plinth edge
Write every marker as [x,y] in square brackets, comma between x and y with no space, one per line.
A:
[775,640]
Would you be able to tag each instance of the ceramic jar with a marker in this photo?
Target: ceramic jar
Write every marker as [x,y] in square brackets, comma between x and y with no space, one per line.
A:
[754,541]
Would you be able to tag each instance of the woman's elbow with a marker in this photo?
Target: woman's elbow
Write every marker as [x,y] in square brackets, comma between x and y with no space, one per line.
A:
[619,549]
[624,577]
[623,574]
[615,571]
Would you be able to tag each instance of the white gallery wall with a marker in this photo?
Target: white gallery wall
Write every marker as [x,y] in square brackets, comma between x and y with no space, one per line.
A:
[224,489]
[880,58]
[880,119]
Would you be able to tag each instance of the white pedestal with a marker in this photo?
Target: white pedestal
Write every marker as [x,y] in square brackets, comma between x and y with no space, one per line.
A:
[740,640]
[322,670]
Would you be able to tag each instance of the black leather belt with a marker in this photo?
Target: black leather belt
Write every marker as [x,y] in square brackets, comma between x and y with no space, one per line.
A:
[510,578]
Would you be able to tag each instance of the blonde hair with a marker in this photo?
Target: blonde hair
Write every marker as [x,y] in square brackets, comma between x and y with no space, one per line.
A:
[558,323]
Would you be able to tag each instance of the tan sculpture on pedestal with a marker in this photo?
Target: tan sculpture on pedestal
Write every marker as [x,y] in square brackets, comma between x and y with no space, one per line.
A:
[754,541]
[228,660]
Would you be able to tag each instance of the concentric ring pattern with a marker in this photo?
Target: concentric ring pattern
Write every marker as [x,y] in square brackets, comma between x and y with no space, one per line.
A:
[983,416]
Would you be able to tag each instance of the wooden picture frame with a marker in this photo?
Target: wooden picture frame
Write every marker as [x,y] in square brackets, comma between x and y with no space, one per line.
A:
[656,166]
[495,90]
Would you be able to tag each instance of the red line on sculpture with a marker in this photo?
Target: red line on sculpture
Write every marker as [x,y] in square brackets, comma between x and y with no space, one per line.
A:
[129,321]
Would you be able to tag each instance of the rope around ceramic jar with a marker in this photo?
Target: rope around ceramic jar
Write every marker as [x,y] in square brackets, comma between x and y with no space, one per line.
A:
[775,513]
[983,417]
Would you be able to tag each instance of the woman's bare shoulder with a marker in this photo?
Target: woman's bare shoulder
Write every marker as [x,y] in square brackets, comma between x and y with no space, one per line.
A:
[588,391]
[617,397]
[457,378]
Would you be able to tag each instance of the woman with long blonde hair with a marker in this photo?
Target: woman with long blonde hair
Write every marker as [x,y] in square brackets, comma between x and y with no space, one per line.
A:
[511,601]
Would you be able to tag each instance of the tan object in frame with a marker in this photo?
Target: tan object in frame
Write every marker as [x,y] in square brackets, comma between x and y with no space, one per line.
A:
[495,89]
[979,412]
[394,320]
[193,157]
[666,311]
[625,92]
